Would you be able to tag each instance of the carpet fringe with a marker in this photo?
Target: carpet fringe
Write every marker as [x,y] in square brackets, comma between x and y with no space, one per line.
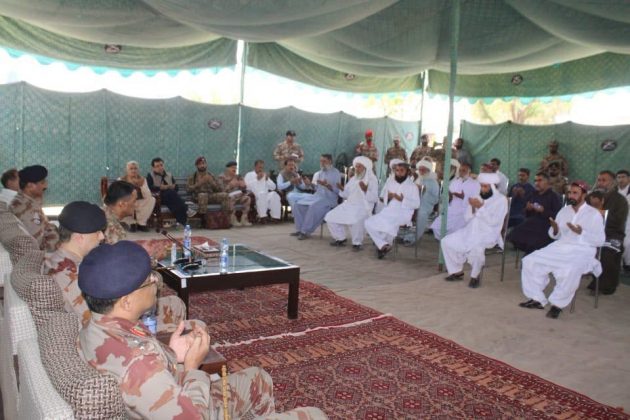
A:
[297,334]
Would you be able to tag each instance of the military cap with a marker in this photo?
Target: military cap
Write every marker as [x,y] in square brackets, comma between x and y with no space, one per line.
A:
[230,163]
[82,217]
[33,173]
[114,271]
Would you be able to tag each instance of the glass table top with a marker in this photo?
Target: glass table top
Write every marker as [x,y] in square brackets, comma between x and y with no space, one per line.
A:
[241,259]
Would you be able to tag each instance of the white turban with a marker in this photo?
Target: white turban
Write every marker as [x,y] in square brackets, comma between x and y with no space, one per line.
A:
[365,161]
[395,162]
[455,163]
[425,163]
[488,178]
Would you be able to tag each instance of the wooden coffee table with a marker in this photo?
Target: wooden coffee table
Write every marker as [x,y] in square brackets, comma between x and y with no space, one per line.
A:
[247,268]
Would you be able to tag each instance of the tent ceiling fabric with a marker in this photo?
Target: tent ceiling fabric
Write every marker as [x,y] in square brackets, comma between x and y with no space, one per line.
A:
[387,40]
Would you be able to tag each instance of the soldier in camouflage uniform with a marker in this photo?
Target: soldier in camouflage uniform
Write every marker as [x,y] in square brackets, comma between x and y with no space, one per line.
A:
[205,189]
[156,380]
[368,149]
[120,203]
[421,151]
[554,156]
[231,182]
[27,206]
[558,182]
[288,149]
[395,152]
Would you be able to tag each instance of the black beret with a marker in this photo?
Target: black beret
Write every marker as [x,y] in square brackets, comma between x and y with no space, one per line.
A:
[230,163]
[33,173]
[114,271]
[291,133]
[82,217]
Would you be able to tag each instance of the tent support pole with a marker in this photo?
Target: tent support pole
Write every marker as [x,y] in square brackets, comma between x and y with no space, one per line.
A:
[240,105]
[425,75]
[455,22]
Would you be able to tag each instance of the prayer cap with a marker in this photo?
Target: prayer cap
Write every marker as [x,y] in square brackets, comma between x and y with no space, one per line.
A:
[581,184]
[230,164]
[82,217]
[488,178]
[291,133]
[33,173]
[199,159]
[455,163]
[366,162]
[114,271]
[395,162]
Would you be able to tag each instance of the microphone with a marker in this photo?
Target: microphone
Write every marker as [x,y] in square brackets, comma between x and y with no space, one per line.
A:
[188,263]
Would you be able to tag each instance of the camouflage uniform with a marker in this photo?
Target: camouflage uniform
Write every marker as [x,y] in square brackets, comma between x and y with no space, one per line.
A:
[30,213]
[284,151]
[152,385]
[368,150]
[235,183]
[207,192]
[394,153]
[420,152]
[170,309]
[558,184]
[558,158]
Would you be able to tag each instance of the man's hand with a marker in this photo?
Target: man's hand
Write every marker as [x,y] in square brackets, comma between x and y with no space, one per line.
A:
[340,186]
[390,195]
[554,225]
[198,349]
[475,203]
[457,194]
[363,186]
[180,343]
[398,197]
[577,229]
[307,181]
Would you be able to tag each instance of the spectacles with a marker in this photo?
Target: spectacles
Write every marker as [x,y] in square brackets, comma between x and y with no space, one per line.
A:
[154,278]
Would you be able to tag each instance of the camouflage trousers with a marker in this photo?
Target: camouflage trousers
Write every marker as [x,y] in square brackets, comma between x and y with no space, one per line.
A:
[227,203]
[250,396]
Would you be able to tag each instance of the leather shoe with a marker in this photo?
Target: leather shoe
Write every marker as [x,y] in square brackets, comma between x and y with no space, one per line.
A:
[301,236]
[133,227]
[474,282]
[357,248]
[455,276]
[531,304]
[338,243]
[554,312]
[143,228]
[294,234]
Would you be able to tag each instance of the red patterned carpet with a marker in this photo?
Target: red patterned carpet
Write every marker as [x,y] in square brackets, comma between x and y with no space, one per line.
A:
[387,369]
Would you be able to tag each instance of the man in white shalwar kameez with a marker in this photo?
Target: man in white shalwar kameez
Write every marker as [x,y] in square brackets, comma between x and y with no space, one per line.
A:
[578,230]
[401,197]
[263,188]
[482,231]
[360,195]
[461,188]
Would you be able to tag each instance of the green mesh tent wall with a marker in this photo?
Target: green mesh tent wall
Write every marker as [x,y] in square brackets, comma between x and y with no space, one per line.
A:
[525,145]
[82,137]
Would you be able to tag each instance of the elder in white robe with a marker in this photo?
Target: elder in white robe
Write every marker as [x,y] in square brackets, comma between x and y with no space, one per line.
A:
[383,227]
[569,257]
[357,205]
[263,188]
[482,230]
[462,188]
[429,197]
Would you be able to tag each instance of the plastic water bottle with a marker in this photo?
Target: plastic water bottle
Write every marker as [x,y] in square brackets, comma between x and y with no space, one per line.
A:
[173,253]
[187,241]
[224,257]
[150,321]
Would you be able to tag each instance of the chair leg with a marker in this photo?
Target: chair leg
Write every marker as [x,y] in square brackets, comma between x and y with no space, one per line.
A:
[502,263]
[321,231]
[516,259]
[596,290]
[573,302]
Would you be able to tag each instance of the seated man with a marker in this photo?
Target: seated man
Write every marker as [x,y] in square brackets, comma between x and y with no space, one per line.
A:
[578,230]
[163,182]
[482,231]
[27,207]
[264,189]
[360,194]
[615,229]
[234,185]
[401,197]
[461,189]
[10,186]
[542,206]
[145,202]
[309,211]
[156,380]
[429,197]
[205,189]
[290,181]
[623,188]
[521,194]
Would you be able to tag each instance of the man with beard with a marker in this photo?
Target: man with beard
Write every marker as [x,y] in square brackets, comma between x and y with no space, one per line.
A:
[163,182]
[482,231]
[623,188]
[360,194]
[577,232]
[205,189]
[554,156]
[421,151]
[234,185]
[429,197]
[615,229]
[27,206]
[461,188]
[264,189]
[309,211]
[542,206]
[521,194]
[461,154]
[401,197]
[291,183]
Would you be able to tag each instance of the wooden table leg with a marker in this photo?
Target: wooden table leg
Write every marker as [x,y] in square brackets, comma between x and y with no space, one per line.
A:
[294,296]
